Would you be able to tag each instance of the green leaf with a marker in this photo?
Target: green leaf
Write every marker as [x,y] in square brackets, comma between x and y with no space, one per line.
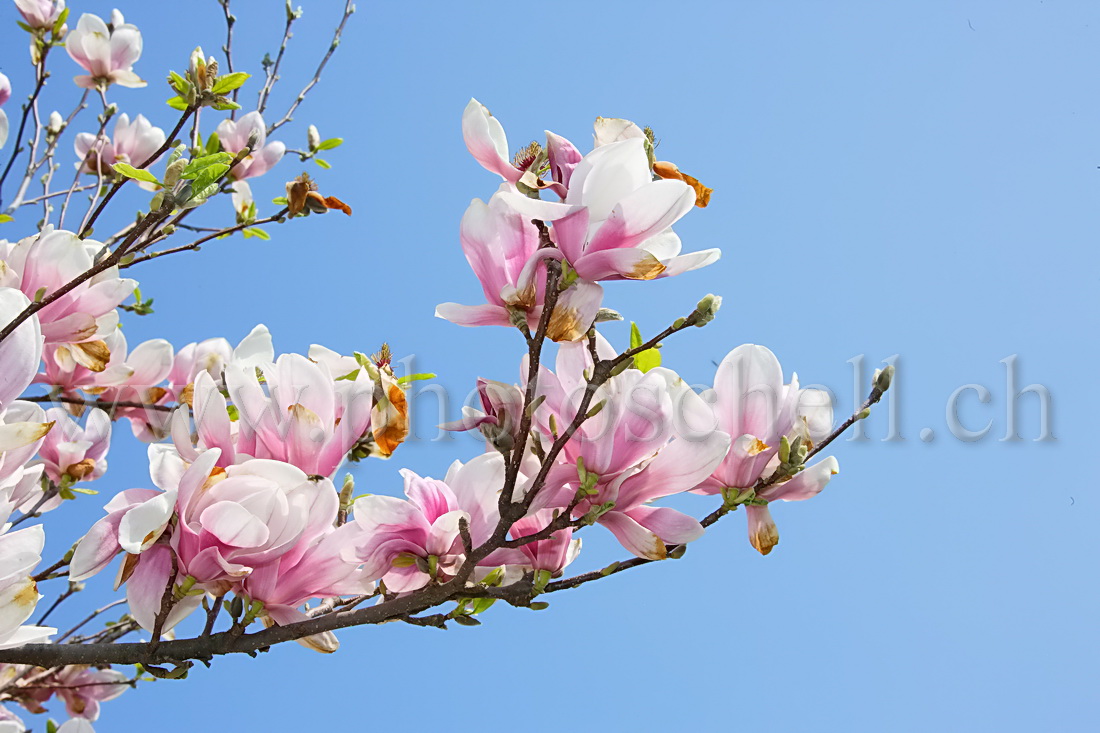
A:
[229,82]
[643,360]
[279,200]
[209,176]
[177,103]
[178,83]
[24,26]
[137,174]
[200,164]
[60,22]
[415,378]
[213,144]
[225,104]
[258,233]
[4,218]
[332,142]
[323,163]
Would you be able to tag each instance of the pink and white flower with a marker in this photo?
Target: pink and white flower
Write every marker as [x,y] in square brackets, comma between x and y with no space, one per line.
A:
[234,136]
[753,403]
[20,553]
[85,315]
[72,453]
[5,95]
[107,53]
[133,143]
[503,249]
[40,13]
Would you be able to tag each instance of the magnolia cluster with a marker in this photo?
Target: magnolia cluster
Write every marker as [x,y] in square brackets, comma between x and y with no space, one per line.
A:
[612,221]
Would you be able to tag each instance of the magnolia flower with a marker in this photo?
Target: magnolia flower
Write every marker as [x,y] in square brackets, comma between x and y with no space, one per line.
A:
[72,453]
[409,542]
[753,404]
[21,352]
[133,143]
[86,314]
[504,250]
[551,555]
[82,688]
[306,417]
[249,131]
[499,418]
[40,13]
[106,53]
[652,438]
[5,95]
[20,552]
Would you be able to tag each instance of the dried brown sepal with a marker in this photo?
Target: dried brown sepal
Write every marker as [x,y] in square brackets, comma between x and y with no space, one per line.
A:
[664,169]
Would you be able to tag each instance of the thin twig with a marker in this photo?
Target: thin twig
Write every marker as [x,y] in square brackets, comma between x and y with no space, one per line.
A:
[349,8]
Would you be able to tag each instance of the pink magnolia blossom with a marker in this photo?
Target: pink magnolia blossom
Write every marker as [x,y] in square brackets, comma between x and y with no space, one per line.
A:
[21,352]
[305,417]
[407,542]
[503,249]
[133,143]
[10,722]
[753,404]
[40,13]
[82,688]
[85,315]
[234,136]
[652,438]
[70,452]
[551,555]
[107,53]
[5,95]
[20,553]
[499,418]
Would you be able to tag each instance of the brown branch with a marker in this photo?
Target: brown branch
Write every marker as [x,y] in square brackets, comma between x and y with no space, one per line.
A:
[40,81]
[105,405]
[278,217]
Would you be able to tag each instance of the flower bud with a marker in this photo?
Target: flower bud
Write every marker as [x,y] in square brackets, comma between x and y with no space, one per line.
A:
[57,123]
[883,378]
[313,138]
[707,309]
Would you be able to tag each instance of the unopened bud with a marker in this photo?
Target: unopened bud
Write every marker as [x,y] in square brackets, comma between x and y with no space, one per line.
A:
[606,314]
[883,378]
[57,123]
[173,171]
[707,309]
[864,414]
[313,137]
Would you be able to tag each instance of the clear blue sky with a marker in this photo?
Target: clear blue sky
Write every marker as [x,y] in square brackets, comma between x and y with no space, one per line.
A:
[912,179]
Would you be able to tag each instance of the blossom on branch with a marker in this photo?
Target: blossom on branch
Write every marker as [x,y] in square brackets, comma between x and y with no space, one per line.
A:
[133,143]
[249,131]
[107,52]
[40,14]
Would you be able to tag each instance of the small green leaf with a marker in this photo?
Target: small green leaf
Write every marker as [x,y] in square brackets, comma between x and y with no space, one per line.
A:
[24,26]
[178,83]
[213,144]
[40,294]
[198,164]
[279,200]
[234,413]
[60,22]
[323,163]
[137,174]
[643,360]
[177,103]
[257,233]
[4,218]
[226,104]
[415,378]
[332,142]
[229,82]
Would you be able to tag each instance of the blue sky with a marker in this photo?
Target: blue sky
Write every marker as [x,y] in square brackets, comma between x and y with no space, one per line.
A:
[910,179]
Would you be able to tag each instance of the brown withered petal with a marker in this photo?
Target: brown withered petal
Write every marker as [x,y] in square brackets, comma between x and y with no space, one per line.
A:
[296,192]
[187,394]
[665,169]
[316,203]
[129,565]
[334,203]
[394,422]
[93,355]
